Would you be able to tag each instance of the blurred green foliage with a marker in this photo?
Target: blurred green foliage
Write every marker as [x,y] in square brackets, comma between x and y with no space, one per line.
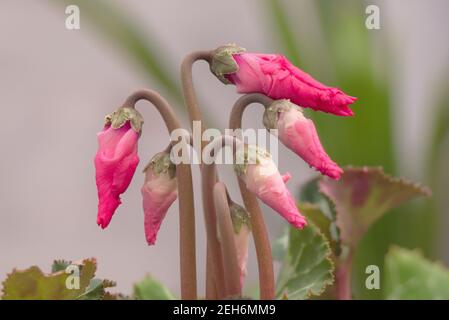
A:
[365,139]
[409,276]
[151,289]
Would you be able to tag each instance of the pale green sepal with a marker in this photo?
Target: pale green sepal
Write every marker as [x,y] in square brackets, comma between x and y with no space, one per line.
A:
[271,114]
[118,118]
[250,154]
[161,163]
[223,61]
[239,217]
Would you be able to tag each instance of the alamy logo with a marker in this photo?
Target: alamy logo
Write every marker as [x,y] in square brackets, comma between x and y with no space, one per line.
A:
[372,21]
[182,152]
[72,22]
[373,280]
[73,279]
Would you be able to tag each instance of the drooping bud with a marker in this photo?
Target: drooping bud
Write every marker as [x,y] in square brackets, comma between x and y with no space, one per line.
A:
[116,160]
[261,176]
[159,192]
[299,134]
[275,76]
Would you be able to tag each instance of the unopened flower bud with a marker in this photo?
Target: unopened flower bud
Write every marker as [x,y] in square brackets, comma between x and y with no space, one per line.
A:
[276,77]
[116,160]
[299,134]
[159,192]
[261,176]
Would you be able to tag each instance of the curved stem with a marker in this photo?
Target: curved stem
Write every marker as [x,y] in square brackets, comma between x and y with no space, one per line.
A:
[259,230]
[343,276]
[231,265]
[188,89]
[214,264]
[235,120]
[186,204]
[215,287]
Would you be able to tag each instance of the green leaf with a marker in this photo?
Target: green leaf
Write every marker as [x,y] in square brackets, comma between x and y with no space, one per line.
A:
[96,290]
[33,284]
[409,276]
[151,289]
[326,225]
[280,245]
[362,196]
[310,193]
[316,215]
[59,265]
[307,268]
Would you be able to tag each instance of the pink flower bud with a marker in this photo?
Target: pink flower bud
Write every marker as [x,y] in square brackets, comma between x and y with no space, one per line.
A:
[116,160]
[242,229]
[298,134]
[159,192]
[274,76]
[262,178]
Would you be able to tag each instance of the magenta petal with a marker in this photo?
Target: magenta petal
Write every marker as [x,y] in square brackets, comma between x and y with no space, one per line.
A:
[158,192]
[115,163]
[299,134]
[286,177]
[274,76]
[344,111]
[265,181]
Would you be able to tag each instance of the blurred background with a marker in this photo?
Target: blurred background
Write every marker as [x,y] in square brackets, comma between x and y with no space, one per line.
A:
[56,85]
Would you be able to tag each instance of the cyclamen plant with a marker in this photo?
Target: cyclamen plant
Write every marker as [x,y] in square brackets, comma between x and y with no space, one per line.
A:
[283,90]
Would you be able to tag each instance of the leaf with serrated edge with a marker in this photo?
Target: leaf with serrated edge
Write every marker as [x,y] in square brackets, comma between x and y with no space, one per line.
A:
[88,267]
[363,195]
[151,289]
[59,265]
[409,276]
[315,214]
[310,193]
[307,268]
[33,284]
[96,289]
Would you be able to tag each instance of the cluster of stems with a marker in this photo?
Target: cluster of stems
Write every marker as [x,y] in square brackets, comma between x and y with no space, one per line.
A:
[222,270]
